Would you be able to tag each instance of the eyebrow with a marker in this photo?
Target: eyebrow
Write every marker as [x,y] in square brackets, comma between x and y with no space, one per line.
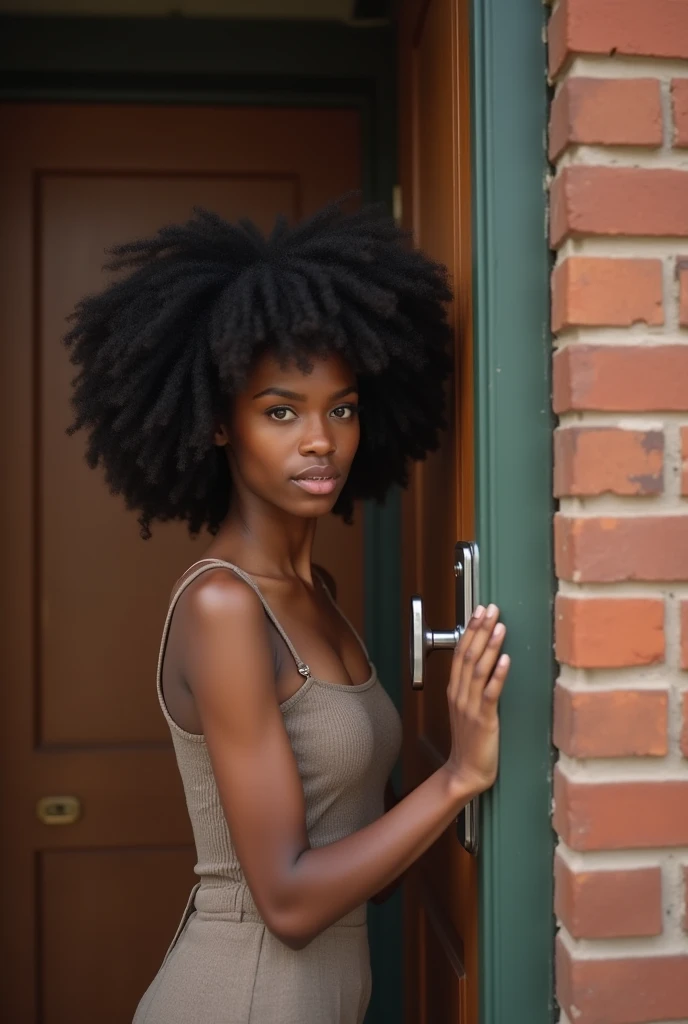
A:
[295,397]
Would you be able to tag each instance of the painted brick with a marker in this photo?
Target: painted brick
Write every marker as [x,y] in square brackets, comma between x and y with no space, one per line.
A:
[594,292]
[606,111]
[685,891]
[684,634]
[620,815]
[684,705]
[679,101]
[632,990]
[594,460]
[608,904]
[609,632]
[612,549]
[610,723]
[682,274]
[610,201]
[616,378]
[684,460]
[649,28]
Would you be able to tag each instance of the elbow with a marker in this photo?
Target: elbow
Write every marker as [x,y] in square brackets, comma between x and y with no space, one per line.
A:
[290,930]
[295,942]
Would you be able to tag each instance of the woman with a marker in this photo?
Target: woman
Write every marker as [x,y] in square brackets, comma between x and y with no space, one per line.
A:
[250,386]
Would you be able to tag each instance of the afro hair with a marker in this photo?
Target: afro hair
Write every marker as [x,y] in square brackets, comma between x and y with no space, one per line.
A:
[163,349]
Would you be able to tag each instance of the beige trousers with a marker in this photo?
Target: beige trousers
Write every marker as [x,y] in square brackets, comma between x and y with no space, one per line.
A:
[228,968]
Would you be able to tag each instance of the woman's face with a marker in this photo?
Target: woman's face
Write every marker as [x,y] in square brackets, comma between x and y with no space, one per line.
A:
[293,436]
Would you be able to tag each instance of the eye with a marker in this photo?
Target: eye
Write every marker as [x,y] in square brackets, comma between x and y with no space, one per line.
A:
[280,413]
[344,412]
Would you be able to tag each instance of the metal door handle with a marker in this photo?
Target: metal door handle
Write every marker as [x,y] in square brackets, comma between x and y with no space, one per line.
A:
[424,641]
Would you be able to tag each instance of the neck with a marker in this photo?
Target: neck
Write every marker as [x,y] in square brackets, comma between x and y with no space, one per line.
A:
[265,541]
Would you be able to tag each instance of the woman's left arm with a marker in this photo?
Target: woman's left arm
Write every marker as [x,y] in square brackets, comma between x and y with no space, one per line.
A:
[391,799]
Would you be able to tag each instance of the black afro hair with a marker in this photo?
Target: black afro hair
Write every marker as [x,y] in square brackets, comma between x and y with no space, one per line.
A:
[162,350]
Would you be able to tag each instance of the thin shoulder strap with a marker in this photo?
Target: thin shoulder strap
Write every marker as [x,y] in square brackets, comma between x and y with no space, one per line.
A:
[218,563]
[338,609]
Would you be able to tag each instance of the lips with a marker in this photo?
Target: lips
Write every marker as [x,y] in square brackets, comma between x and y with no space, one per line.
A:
[317,480]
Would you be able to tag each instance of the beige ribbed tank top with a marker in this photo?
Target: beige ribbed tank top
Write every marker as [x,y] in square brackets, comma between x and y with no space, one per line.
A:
[346,740]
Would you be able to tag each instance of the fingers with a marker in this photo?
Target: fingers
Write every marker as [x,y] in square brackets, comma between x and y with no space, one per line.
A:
[493,690]
[464,643]
[474,652]
[485,667]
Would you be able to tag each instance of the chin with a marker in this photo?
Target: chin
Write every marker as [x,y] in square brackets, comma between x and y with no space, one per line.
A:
[316,510]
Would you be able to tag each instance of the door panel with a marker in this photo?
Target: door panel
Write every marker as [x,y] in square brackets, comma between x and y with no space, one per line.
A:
[83,597]
[445,991]
[94,945]
[92,213]
[441,899]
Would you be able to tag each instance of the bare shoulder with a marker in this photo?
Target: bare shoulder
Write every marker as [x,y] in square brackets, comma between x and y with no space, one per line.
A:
[219,595]
[227,659]
[224,625]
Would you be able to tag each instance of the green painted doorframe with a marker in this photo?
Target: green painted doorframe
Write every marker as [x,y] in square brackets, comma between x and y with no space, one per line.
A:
[179,60]
[514,496]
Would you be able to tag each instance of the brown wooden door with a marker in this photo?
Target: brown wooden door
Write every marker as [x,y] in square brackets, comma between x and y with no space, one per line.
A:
[441,897]
[89,908]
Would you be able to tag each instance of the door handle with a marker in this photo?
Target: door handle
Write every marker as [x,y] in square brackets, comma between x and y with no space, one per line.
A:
[424,641]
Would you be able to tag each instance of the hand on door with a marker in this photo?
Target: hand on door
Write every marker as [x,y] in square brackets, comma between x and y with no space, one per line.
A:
[476,680]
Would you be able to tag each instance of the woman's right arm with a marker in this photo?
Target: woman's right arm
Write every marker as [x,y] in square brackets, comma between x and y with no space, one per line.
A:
[298,890]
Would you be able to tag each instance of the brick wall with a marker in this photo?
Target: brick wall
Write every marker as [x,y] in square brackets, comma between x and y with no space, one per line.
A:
[619,227]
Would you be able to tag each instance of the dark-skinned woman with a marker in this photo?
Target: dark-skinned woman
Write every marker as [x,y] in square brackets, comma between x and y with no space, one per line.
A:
[248,386]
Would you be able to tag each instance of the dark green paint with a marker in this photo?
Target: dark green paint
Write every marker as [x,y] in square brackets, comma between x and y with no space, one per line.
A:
[179,60]
[514,497]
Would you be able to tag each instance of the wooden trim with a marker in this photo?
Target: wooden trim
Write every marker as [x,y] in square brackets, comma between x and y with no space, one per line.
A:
[451,943]
[514,497]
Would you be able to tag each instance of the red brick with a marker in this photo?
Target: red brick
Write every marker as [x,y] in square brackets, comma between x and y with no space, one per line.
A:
[608,904]
[648,28]
[610,201]
[606,111]
[609,632]
[632,990]
[594,460]
[679,96]
[684,635]
[610,723]
[594,292]
[620,815]
[682,274]
[612,549]
[620,378]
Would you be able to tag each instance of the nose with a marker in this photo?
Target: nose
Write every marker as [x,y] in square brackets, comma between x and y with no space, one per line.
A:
[317,438]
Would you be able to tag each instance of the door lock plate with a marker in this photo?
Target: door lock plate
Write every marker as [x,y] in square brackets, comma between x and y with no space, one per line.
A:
[424,641]
[58,810]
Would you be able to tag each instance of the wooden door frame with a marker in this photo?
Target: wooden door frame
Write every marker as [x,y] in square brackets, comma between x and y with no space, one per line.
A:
[184,60]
